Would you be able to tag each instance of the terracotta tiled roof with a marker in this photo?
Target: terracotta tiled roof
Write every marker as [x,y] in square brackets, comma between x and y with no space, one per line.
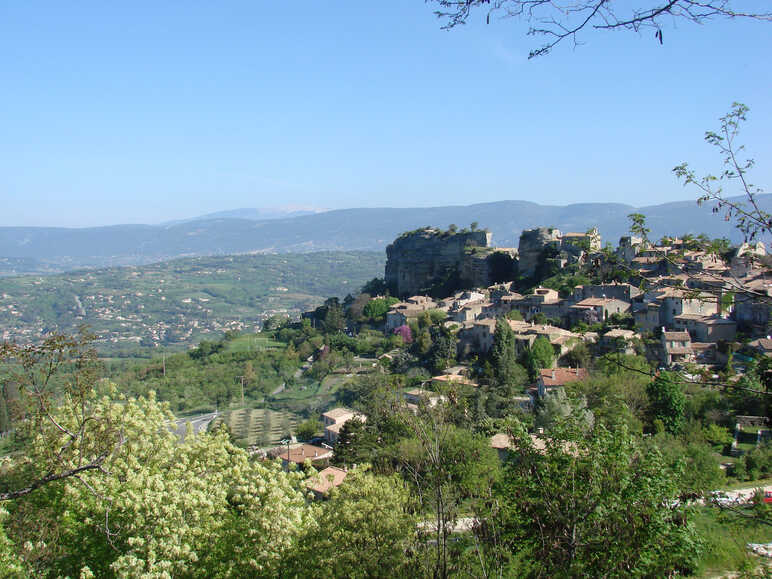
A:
[560,376]
[501,441]
[326,479]
[302,452]
[338,413]
[677,336]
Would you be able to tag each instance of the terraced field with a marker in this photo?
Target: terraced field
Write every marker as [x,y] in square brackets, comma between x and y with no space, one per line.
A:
[257,426]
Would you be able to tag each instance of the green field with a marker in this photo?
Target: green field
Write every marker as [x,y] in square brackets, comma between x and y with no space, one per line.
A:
[724,541]
[257,426]
[253,343]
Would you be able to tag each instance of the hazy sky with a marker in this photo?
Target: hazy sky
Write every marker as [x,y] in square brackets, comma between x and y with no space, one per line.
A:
[141,112]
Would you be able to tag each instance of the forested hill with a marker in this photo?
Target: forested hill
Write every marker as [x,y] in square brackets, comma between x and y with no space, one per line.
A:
[179,302]
[47,250]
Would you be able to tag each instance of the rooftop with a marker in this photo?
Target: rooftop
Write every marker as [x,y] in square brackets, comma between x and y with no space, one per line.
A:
[561,376]
[598,302]
[338,413]
[300,453]
[677,336]
[326,479]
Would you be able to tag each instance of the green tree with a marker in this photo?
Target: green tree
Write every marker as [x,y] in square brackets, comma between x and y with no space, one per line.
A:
[504,354]
[638,225]
[447,465]
[589,504]
[443,350]
[667,401]
[162,507]
[365,529]
[355,444]
[556,407]
[540,355]
[376,308]
[11,565]
[375,287]
[334,319]
[307,429]
[56,376]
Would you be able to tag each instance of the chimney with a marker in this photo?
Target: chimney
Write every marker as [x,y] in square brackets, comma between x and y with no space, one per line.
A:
[553,374]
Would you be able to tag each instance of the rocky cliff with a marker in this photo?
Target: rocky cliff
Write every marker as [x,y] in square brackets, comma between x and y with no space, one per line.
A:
[418,261]
[533,243]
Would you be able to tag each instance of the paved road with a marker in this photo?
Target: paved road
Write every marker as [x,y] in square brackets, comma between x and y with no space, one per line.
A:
[743,495]
[199,423]
[463,525]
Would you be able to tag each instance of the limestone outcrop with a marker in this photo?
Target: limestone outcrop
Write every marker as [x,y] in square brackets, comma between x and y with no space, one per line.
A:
[420,260]
[533,243]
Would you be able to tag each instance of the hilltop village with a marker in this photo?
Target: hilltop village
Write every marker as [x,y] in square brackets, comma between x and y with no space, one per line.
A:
[561,302]
[692,297]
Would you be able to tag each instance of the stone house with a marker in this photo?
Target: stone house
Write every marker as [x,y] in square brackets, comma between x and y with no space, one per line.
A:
[537,302]
[400,313]
[676,348]
[619,291]
[589,241]
[676,301]
[335,419]
[762,346]
[706,328]
[628,248]
[468,312]
[476,337]
[417,396]
[550,379]
[592,310]
[449,379]
[617,340]
[751,312]
[562,341]
[646,316]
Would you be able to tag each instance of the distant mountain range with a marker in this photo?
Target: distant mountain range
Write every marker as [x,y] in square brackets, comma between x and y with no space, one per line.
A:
[51,249]
[262,214]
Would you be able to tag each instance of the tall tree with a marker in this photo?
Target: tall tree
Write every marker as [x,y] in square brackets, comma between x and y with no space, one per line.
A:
[667,401]
[447,465]
[443,350]
[540,355]
[589,504]
[364,530]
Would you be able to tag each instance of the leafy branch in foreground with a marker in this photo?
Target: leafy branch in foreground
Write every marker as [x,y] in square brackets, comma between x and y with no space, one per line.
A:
[751,220]
[559,20]
[53,412]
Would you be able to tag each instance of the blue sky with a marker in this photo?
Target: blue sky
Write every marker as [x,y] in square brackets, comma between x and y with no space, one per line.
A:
[142,112]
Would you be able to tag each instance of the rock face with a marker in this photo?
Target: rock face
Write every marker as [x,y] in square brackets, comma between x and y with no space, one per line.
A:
[420,260]
[533,242]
